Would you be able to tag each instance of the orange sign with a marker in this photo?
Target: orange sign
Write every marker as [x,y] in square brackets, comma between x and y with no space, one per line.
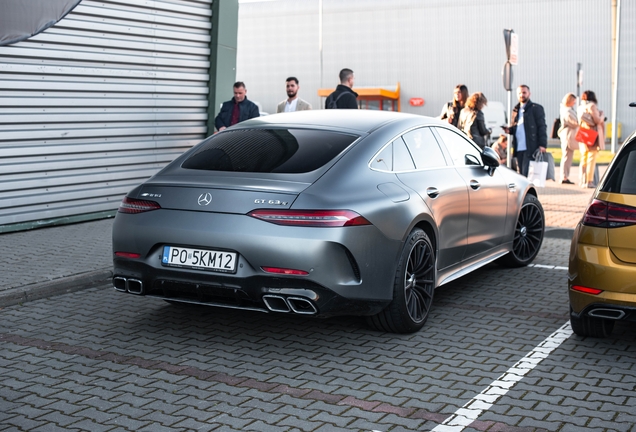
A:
[416,102]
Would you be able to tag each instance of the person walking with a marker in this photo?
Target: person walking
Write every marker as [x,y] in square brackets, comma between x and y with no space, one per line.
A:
[452,109]
[293,102]
[237,109]
[343,96]
[528,129]
[567,133]
[590,117]
[472,121]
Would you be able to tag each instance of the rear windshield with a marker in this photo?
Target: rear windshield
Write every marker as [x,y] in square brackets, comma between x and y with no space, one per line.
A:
[268,150]
[622,178]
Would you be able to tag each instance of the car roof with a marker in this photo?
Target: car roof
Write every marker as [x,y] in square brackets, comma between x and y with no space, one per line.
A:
[362,121]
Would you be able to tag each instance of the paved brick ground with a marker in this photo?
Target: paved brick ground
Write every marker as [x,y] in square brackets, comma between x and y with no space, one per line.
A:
[102,360]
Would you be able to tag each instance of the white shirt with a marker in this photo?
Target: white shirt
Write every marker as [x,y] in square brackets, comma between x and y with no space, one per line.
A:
[521,130]
[291,106]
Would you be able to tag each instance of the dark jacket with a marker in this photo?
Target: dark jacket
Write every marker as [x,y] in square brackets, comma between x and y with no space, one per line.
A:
[473,123]
[349,101]
[534,125]
[247,110]
[450,113]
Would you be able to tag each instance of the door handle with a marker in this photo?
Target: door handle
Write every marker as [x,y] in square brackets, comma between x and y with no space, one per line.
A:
[432,192]
[475,184]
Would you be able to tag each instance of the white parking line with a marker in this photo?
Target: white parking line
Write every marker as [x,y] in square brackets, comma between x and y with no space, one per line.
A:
[483,401]
[551,267]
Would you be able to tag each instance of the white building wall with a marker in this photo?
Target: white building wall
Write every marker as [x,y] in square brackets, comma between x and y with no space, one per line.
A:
[99,102]
[429,46]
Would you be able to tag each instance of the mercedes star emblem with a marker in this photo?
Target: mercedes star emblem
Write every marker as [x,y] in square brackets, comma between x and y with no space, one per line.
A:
[205,199]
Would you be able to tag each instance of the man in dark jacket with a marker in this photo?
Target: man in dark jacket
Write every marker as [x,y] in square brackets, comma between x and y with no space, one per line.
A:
[533,135]
[343,96]
[237,109]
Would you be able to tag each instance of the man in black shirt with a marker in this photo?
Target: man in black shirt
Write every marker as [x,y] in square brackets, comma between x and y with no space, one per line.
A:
[343,96]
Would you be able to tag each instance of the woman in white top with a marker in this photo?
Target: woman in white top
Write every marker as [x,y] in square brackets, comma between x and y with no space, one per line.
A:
[567,132]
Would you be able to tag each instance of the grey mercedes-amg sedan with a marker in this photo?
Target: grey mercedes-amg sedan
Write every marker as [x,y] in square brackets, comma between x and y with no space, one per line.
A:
[323,213]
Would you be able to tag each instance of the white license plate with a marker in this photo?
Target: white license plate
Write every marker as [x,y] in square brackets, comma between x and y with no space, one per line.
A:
[220,261]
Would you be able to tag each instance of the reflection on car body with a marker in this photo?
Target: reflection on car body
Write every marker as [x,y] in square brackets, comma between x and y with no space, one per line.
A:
[325,213]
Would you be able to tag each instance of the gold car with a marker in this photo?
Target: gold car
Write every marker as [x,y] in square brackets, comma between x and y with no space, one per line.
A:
[602,267]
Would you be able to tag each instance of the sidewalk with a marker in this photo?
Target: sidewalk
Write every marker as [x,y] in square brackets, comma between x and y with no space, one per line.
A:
[54,260]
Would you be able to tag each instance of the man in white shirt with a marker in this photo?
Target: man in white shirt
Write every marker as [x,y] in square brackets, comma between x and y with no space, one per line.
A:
[528,130]
[293,102]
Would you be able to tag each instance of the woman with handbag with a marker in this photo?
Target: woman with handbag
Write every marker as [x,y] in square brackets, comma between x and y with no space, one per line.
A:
[591,123]
[567,132]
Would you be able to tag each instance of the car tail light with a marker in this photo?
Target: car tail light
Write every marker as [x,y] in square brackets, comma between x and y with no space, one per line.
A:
[609,215]
[311,218]
[134,206]
[278,270]
[131,255]
[586,290]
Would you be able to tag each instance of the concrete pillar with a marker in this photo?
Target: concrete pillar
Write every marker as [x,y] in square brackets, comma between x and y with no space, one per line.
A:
[223,44]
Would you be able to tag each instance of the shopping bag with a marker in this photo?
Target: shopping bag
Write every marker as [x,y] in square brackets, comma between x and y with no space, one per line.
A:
[586,136]
[538,172]
[540,156]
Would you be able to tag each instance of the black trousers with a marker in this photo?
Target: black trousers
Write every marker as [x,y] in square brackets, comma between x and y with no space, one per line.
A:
[523,161]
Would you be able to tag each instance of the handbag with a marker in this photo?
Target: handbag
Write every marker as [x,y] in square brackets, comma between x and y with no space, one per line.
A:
[556,127]
[586,136]
[587,118]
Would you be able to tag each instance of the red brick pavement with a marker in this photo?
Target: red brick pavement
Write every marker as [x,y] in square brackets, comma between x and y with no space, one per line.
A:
[564,204]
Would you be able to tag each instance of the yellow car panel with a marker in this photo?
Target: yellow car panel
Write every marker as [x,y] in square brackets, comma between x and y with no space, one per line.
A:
[593,265]
[579,300]
[602,266]
[622,241]
[624,199]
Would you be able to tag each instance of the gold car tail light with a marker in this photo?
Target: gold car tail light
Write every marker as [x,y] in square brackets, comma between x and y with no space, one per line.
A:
[587,290]
[604,214]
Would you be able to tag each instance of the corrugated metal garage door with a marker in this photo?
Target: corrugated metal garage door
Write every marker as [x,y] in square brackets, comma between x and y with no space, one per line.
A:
[97,103]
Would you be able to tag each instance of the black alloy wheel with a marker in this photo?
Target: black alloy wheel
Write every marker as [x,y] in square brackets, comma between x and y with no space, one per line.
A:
[413,288]
[528,235]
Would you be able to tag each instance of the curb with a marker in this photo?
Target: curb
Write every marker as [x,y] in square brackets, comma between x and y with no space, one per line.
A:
[559,233]
[14,296]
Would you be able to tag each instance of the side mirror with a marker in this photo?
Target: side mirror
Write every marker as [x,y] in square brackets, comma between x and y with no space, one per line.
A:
[490,157]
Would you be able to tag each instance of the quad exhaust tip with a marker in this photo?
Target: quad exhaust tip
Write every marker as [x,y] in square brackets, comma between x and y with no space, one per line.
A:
[132,286]
[613,314]
[274,303]
[299,305]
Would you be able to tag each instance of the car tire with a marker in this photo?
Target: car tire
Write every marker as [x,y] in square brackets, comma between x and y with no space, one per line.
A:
[412,289]
[528,236]
[591,326]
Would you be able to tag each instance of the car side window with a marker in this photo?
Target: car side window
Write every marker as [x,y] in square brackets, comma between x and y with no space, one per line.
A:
[402,160]
[462,151]
[383,161]
[424,148]
[622,178]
